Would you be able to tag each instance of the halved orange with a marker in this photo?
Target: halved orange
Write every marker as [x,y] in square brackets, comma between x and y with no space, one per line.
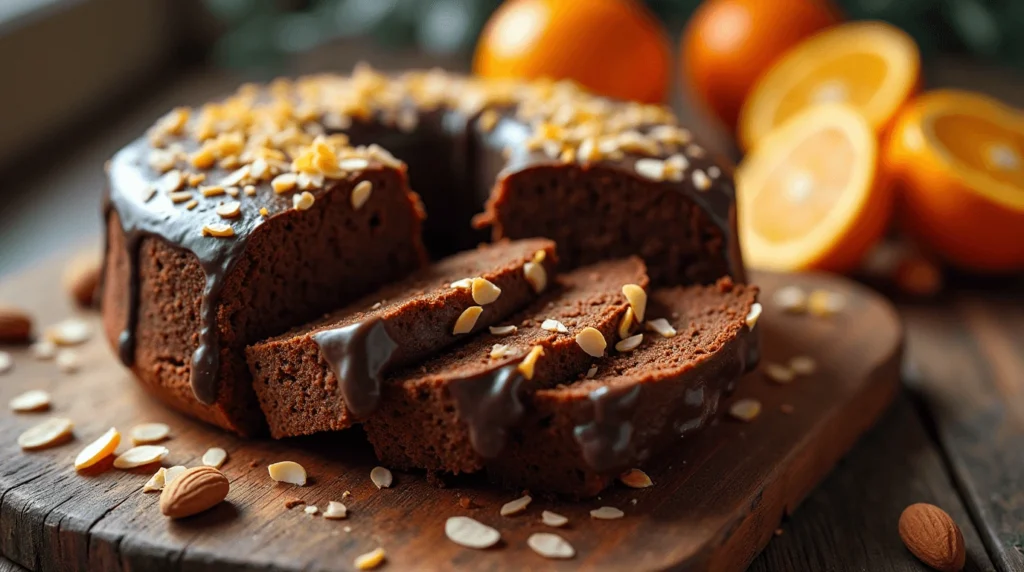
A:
[958,158]
[811,194]
[872,66]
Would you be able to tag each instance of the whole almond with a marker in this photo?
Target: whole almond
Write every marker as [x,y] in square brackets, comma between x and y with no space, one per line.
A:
[932,536]
[196,490]
[15,325]
[81,278]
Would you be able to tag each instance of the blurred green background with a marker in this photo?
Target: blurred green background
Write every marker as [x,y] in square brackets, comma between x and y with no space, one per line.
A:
[260,33]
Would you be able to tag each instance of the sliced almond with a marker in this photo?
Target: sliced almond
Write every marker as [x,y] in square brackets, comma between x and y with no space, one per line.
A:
[67,361]
[636,479]
[303,201]
[592,372]
[591,341]
[173,472]
[626,324]
[516,506]
[607,513]
[467,320]
[662,327]
[745,409]
[464,284]
[370,560]
[550,545]
[753,315]
[288,472]
[43,350]
[381,477]
[335,511]
[529,363]
[803,365]
[484,291]
[284,182]
[311,510]
[215,457]
[536,276]
[53,431]
[219,230]
[553,519]
[629,344]
[354,164]
[778,373]
[147,433]
[139,456]
[501,351]
[503,330]
[31,400]
[230,209]
[554,326]
[70,332]
[361,194]
[98,450]
[637,298]
[156,482]
[470,533]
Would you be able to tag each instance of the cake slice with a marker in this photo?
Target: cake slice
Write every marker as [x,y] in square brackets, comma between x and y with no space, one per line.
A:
[452,412]
[325,375]
[578,437]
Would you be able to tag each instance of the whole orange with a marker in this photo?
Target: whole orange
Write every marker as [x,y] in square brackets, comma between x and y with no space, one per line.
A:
[728,44]
[612,47]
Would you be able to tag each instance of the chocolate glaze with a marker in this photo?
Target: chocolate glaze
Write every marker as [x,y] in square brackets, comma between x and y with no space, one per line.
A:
[357,355]
[607,440]
[489,404]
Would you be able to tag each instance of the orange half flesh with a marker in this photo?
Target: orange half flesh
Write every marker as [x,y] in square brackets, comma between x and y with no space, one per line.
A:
[810,195]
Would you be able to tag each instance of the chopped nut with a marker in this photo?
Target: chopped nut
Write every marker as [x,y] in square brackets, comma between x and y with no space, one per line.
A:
[653,169]
[361,194]
[192,204]
[503,330]
[470,533]
[695,151]
[714,172]
[70,332]
[626,324]
[156,482]
[529,363]
[553,519]
[753,315]
[465,283]
[264,212]
[592,341]
[791,299]
[249,190]
[53,431]
[484,291]
[303,200]
[592,372]
[661,326]
[139,456]
[180,196]
[173,473]
[700,180]
[370,560]
[467,320]
[381,477]
[311,510]
[778,373]
[335,511]
[536,276]
[635,478]
[67,361]
[284,182]
[288,472]
[550,545]
[803,365]
[98,450]
[29,401]
[516,506]
[230,209]
[824,303]
[637,298]
[43,350]
[554,326]
[218,229]
[215,457]
[353,164]
[147,433]
[211,191]
[607,513]
[745,409]
[629,344]
[500,351]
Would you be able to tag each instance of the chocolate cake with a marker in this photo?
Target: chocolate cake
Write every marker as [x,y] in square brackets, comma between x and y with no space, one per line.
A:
[451,413]
[575,438]
[325,375]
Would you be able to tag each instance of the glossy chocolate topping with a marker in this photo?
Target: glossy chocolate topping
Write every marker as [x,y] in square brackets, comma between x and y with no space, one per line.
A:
[490,404]
[358,354]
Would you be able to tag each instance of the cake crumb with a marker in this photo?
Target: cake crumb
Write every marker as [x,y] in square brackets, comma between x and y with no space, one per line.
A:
[293,502]
[745,409]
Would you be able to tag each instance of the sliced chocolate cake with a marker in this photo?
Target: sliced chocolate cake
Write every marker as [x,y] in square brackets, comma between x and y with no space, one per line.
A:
[452,413]
[325,375]
[575,438]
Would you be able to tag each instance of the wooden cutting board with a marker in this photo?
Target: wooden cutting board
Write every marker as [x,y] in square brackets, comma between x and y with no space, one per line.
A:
[717,498]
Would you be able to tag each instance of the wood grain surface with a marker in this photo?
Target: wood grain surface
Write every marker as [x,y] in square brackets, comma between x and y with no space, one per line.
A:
[717,499]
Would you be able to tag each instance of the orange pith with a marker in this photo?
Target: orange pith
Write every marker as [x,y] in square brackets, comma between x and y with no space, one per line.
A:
[959,161]
[872,66]
[811,194]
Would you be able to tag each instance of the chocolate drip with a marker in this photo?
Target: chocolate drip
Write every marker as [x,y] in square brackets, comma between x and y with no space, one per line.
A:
[358,354]
[126,339]
[490,404]
[607,440]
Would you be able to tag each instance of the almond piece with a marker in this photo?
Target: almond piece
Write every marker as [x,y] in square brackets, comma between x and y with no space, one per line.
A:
[381,477]
[82,277]
[931,535]
[140,456]
[30,401]
[196,490]
[371,559]
[47,434]
[15,326]
[288,472]
[550,545]
[98,450]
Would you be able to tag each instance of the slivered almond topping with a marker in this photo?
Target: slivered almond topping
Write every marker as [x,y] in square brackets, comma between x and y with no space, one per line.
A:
[661,326]
[629,344]
[745,409]
[529,363]
[215,457]
[32,400]
[67,361]
[503,330]
[467,320]
[516,506]
[70,332]
[284,183]
[194,179]
[219,230]
[361,194]
[592,341]
[171,181]
[156,482]
[249,190]
[381,477]
[173,473]
[98,450]
[637,298]
[778,373]
[695,151]
[803,365]
[536,276]
[500,351]
[311,510]
[43,350]
[553,519]
[147,433]
[230,209]
[49,433]
[714,172]
[700,180]
[335,511]
[192,204]
[753,315]
[211,191]
[592,372]
[370,560]
[626,324]
[264,212]
[607,513]
[635,478]
[554,326]
[303,200]
[464,284]
[288,472]
[139,456]
[484,291]
[550,545]
[353,164]
[791,299]
[470,533]
[653,169]
[540,256]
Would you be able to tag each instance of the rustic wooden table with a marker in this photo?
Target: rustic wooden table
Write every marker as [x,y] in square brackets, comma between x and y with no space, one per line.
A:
[955,437]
